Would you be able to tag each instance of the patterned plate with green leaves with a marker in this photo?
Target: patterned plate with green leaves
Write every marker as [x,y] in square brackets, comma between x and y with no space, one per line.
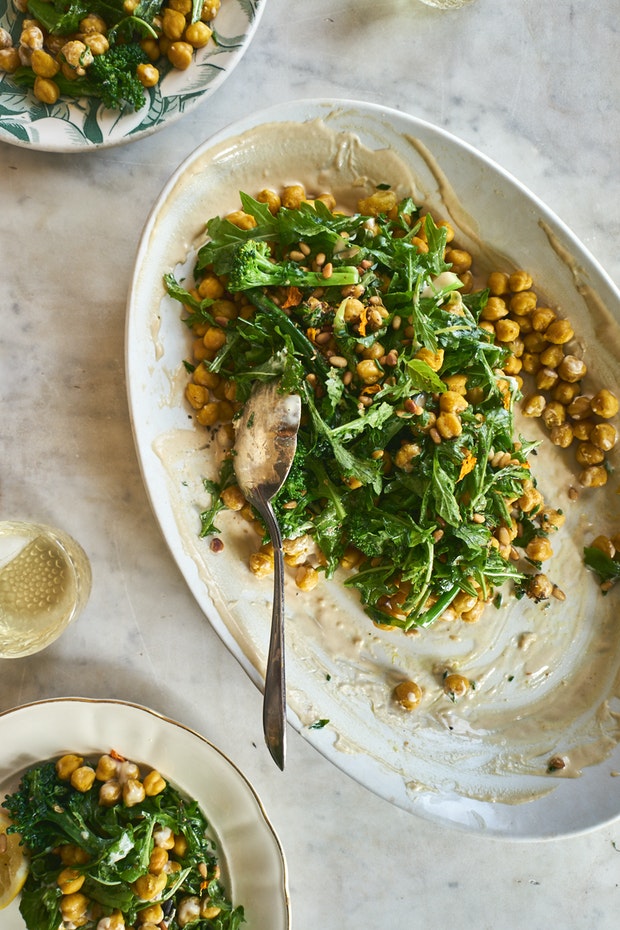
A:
[84,123]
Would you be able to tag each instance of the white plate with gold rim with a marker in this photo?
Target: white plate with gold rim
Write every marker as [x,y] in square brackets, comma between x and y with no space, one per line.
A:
[482,764]
[253,864]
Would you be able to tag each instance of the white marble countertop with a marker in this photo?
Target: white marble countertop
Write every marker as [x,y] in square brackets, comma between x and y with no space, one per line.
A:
[532,85]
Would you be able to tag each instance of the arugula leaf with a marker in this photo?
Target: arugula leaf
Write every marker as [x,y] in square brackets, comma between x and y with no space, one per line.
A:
[607,569]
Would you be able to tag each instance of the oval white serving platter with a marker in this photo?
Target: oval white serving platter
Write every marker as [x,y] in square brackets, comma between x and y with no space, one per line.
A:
[84,124]
[253,864]
[480,765]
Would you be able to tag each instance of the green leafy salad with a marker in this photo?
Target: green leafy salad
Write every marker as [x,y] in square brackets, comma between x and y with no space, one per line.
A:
[408,471]
[110,849]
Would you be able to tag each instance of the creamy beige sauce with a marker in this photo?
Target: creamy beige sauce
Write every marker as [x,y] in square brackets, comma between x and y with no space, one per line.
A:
[546,676]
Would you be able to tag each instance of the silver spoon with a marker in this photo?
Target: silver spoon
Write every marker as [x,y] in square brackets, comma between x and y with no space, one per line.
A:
[265,443]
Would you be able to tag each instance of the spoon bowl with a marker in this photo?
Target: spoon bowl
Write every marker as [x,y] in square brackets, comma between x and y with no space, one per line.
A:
[265,444]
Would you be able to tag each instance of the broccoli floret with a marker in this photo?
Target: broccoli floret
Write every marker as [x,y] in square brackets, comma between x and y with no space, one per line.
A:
[252,266]
[114,78]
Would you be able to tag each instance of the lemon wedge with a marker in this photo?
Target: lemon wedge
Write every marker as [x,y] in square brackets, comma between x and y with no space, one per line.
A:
[13,862]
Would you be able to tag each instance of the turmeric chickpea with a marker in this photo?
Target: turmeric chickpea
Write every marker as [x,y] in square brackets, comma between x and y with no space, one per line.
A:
[456,686]
[209,414]
[198,34]
[539,549]
[43,64]
[180,55]
[604,436]
[158,860]
[369,371]
[147,74]
[110,792]
[214,338]
[378,202]
[76,56]
[589,454]
[534,405]
[97,43]
[70,880]
[522,303]
[539,587]
[153,914]
[565,392]
[541,318]
[580,408]
[211,287]
[519,281]
[153,783]
[498,283]
[535,342]
[151,48]
[605,404]
[31,36]
[293,196]
[507,330]
[582,429]
[434,360]
[452,402]
[270,198]
[182,6]
[559,332]
[531,362]
[92,22]
[172,23]
[66,766]
[408,694]
[495,309]
[180,846]
[554,414]
[459,259]
[240,218]
[448,425]
[70,854]
[594,476]
[148,886]
[196,395]
[9,60]
[133,792]
[572,369]
[210,9]
[604,544]
[561,435]
[552,356]
[46,90]
[546,378]
[306,578]
[82,778]
[73,907]
[107,767]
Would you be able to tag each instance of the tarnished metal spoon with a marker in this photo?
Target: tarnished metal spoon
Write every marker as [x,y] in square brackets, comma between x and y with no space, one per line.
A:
[265,443]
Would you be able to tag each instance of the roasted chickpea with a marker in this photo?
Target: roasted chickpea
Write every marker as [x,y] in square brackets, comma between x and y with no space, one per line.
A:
[180,55]
[605,404]
[408,694]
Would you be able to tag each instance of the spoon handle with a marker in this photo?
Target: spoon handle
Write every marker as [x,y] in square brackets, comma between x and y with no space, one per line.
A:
[274,698]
